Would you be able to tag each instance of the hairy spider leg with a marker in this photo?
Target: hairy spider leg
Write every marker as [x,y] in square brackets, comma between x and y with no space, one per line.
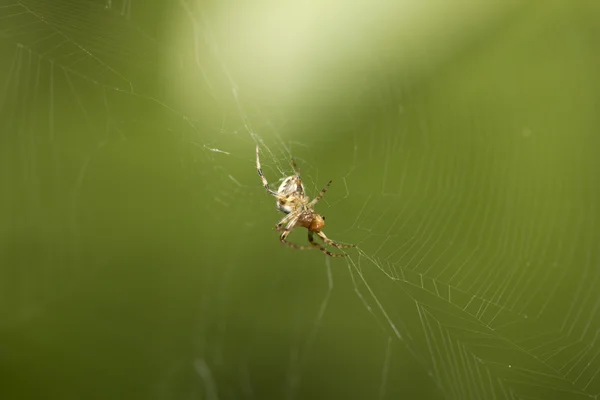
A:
[320,195]
[262,177]
[296,169]
[334,244]
[284,220]
[286,231]
[299,179]
[311,240]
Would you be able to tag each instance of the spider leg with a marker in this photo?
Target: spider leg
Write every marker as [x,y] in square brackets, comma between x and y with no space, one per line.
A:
[299,185]
[262,177]
[286,231]
[311,239]
[332,243]
[284,220]
[320,195]
[296,169]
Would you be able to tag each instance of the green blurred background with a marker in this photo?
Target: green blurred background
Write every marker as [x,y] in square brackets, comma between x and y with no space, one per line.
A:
[138,259]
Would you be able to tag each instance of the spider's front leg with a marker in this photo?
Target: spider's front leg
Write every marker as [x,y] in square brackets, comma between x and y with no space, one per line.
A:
[284,221]
[286,232]
[311,240]
[334,244]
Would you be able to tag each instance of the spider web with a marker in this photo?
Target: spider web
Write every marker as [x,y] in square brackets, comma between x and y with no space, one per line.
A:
[132,204]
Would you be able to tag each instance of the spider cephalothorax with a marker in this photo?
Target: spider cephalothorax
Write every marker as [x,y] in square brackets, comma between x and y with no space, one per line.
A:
[293,201]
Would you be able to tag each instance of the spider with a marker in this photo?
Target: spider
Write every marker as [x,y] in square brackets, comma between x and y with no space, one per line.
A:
[293,201]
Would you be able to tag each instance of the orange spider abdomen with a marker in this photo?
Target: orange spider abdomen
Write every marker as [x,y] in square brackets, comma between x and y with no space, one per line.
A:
[317,223]
[311,221]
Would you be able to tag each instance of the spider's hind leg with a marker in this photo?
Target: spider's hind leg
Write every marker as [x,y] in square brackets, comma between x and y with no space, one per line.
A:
[295,167]
[262,177]
[320,195]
